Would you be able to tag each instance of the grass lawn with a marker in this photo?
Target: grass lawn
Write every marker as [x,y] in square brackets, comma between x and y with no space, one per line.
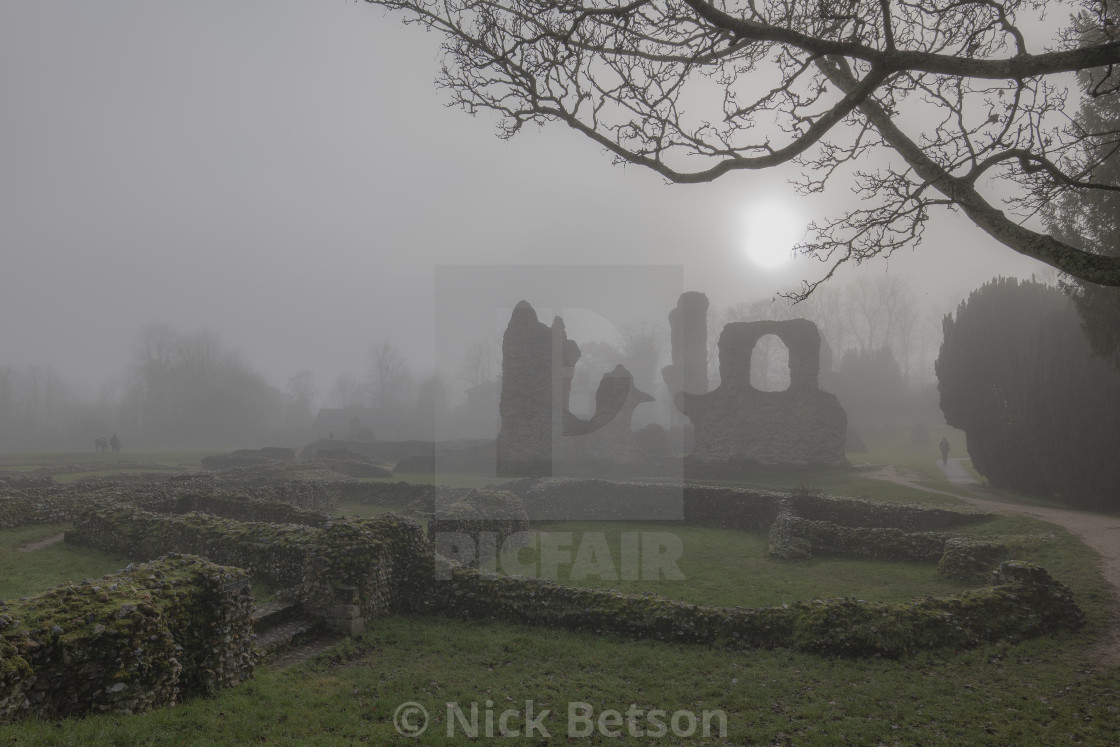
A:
[1044,691]
[730,568]
[1038,692]
[23,573]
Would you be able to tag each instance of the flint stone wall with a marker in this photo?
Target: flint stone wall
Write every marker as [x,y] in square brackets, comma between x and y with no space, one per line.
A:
[18,480]
[315,566]
[127,642]
[800,525]
[737,423]
[726,507]
[537,428]
[238,508]
[40,506]
[497,513]
[1023,601]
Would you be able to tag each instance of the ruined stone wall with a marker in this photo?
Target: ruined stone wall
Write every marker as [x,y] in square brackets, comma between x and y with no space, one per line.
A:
[483,519]
[346,561]
[127,642]
[382,493]
[749,509]
[526,406]
[737,423]
[238,508]
[688,325]
[1023,601]
[539,434]
[40,506]
[275,552]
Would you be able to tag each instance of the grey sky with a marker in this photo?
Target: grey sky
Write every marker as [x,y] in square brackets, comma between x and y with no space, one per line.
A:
[285,172]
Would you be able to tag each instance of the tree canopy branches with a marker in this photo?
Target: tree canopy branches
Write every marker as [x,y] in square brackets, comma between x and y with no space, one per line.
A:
[921,103]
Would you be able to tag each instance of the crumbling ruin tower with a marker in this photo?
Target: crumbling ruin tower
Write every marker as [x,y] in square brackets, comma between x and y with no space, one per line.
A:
[688,334]
[737,423]
[525,439]
[537,430]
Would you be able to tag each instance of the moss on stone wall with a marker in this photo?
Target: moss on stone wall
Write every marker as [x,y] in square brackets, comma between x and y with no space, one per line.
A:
[1022,602]
[127,642]
[275,552]
[495,512]
[40,506]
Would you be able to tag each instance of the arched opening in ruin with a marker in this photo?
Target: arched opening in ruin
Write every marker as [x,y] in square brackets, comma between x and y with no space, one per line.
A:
[770,364]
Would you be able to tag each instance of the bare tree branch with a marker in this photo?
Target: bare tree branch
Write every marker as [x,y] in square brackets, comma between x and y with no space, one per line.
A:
[951,95]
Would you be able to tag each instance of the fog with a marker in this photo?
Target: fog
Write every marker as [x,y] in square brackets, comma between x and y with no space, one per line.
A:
[287,176]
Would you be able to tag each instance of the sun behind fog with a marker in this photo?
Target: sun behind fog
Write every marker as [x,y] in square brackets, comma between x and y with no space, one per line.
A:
[770,230]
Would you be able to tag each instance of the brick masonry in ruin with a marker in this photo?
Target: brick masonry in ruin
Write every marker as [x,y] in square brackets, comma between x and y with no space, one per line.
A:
[739,423]
[538,430]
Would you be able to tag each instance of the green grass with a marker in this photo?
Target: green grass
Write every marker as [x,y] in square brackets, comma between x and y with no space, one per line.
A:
[1038,692]
[731,568]
[1044,691]
[23,573]
[848,483]
[920,459]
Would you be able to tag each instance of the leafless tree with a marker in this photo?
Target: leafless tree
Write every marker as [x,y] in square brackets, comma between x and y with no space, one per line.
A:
[346,392]
[918,103]
[881,313]
[301,394]
[389,376]
[481,363]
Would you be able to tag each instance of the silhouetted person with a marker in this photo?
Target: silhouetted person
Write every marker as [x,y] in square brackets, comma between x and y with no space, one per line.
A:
[944,450]
[115,443]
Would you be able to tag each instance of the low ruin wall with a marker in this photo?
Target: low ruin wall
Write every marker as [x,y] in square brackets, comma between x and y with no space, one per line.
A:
[237,508]
[40,506]
[381,493]
[127,642]
[867,513]
[1022,602]
[348,569]
[726,507]
[275,552]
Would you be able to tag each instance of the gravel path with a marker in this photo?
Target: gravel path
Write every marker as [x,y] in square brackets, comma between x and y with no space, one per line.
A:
[1098,531]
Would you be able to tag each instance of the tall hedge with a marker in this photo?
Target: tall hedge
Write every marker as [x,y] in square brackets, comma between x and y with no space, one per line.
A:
[1040,412]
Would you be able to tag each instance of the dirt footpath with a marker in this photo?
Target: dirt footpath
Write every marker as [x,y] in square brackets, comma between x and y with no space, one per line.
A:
[33,546]
[1100,532]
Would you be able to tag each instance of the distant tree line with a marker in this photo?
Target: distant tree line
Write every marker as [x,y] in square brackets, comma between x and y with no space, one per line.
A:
[179,388]
[36,408]
[192,386]
[1040,411]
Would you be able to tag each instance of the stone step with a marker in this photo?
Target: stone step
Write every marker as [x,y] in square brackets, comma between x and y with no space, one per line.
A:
[269,614]
[285,634]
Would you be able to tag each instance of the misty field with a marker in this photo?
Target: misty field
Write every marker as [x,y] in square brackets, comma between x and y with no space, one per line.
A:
[1042,691]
